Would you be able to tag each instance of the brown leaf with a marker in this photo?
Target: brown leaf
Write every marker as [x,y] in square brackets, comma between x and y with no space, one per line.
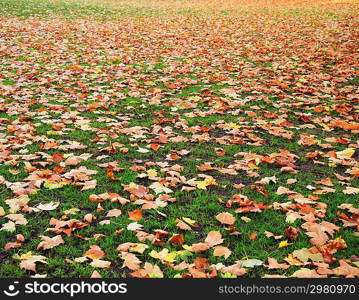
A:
[131,261]
[222,251]
[226,218]
[176,239]
[95,274]
[98,263]
[214,238]
[114,213]
[135,215]
[273,264]
[291,233]
[200,247]
[184,226]
[49,243]
[253,236]
[95,252]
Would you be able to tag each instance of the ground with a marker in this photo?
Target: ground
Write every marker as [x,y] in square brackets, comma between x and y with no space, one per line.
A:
[179,138]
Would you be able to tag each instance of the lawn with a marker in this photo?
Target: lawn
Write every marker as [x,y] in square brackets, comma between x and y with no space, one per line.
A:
[179,138]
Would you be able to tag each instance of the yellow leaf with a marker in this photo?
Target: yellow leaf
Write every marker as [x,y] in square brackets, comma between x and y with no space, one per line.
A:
[189,221]
[202,185]
[283,244]
[234,125]
[246,219]
[140,248]
[210,180]
[188,248]
[252,166]
[341,240]
[52,186]
[347,153]
[170,257]
[154,254]
[132,185]
[152,172]
[53,133]
[155,275]
[26,255]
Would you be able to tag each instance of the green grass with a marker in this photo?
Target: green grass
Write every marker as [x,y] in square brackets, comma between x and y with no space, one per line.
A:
[47,102]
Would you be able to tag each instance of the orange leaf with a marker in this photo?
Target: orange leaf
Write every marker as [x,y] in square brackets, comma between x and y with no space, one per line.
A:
[95,252]
[253,236]
[135,215]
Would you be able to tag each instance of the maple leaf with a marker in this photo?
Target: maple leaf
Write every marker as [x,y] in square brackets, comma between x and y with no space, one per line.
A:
[57,157]
[49,243]
[326,181]
[226,218]
[307,273]
[317,232]
[160,188]
[271,235]
[114,213]
[250,263]
[130,261]
[346,269]
[200,247]
[18,243]
[291,233]
[235,269]
[176,239]
[283,244]
[139,248]
[28,261]
[134,226]
[164,255]
[48,206]
[98,263]
[95,252]
[162,119]
[222,251]
[9,226]
[349,190]
[273,264]
[214,238]
[89,185]
[135,215]
[305,254]
[138,191]
[189,221]
[149,271]
[182,225]
[19,219]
